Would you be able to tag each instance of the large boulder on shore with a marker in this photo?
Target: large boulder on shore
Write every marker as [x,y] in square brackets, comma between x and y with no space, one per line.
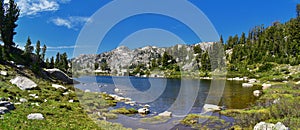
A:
[57,74]
[23,83]
[143,111]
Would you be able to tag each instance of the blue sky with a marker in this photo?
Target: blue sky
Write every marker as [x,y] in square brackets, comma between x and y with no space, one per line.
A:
[57,23]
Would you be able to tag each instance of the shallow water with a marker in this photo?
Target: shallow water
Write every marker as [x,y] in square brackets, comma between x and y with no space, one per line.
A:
[178,96]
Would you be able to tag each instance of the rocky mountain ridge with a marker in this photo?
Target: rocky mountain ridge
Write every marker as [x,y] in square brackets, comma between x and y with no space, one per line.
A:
[123,60]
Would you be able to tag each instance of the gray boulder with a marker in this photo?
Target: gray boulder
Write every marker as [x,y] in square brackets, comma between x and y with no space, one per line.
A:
[57,74]
[3,110]
[280,126]
[35,116]
[7,104]
[23,83]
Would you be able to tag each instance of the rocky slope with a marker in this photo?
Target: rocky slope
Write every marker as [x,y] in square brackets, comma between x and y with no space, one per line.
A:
[123,60]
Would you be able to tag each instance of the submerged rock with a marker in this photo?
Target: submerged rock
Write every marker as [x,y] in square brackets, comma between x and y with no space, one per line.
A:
[165,114]
[247,85]
[23,83]
[35,116]
[211,108]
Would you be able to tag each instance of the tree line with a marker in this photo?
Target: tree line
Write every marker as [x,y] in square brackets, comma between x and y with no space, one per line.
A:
[9,15]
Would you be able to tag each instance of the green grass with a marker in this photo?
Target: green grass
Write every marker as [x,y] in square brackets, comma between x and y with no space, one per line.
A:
[210,122]
[59,113]
[284,110]
[124,111]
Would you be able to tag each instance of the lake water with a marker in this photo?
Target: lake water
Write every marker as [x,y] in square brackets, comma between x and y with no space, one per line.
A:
[181,96]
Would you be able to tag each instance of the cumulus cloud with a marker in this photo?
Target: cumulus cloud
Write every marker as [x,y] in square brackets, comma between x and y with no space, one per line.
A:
[71,22]
[34,7]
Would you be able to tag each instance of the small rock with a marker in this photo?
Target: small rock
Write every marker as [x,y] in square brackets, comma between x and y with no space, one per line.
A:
[266,86]
[298,82]
[211,108]
[58,86]
[257,93]
[87,91]
[71,101]
[165,114]
[36,104]
[45,100]
[143,111]
[35,116]
[3,110]
[65,93]
[7,104]
[252,80]
[247,85]
[117,90]
[280,126]
[147,106]
[22,100]
[285,81]
[23,83]
[3,73]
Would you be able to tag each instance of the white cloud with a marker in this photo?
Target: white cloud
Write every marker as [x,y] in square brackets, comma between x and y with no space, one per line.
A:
[61,47]
[71,22]
[34,7]
[62,22]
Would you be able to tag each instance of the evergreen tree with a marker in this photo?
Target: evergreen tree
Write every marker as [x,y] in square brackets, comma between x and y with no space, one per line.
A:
[28,47]
[38,51]
[47,63]
[57,60]
[44,52]
[8,21]
[51,63]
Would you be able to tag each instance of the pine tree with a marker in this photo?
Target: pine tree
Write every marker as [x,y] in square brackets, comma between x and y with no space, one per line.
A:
[9,19]
[44,52]
[51,63]
[57,60]
[38,50]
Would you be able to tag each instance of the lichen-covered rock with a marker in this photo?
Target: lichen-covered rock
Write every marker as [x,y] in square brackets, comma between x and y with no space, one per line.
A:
[23,83]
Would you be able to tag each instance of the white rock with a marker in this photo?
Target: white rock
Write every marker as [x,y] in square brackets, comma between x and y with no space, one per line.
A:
[143,111]
[36,104]
[266,86]
[71,100]
[298,82]
[252,80]
[117,90]
[211,108]
[257,93]
[165,114]
[3,110]
[35,116]
[247,85]
[32,95]
[23,83]
[22,100]
[58,86]
[65,93]
[280,126]
[3,73]
[147,106]
[87,91]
